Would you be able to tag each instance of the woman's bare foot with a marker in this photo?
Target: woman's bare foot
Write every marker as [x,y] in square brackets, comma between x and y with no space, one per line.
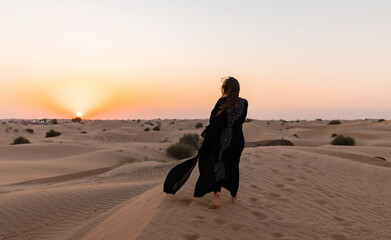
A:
[235,200]
[216,201]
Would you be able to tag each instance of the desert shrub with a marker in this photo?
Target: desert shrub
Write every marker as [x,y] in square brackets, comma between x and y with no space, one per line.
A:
[146,129]
[83,132]
[29,130]
[381,120]
[199,125]
[104,129]
[172,123]
[20,140]
[295,135]
[156,128]
[180,150]
[342,140]
[52,133]
[297,120]
[333,135]
[191,139]
[334,122]
[318,120]
[53,121]
[268,123]
[76,119]
[248,120]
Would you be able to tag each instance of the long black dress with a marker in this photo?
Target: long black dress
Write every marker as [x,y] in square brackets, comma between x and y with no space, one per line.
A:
[219,155]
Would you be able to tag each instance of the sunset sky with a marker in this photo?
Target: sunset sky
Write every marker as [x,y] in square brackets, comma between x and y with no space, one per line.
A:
[295,59]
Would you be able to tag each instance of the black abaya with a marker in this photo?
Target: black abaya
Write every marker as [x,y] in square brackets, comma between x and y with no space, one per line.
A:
[219,155]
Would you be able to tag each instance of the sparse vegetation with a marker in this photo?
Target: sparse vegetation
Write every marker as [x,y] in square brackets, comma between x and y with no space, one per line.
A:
[156,128]
[297,120]
[125,160]
[199,125]
[248,120]
[185,147]
[20,140]
[295,135]
[172,123]
[319,120]
[268,123]
[334,122]
[146,129]
[342,140]
[381,120]
[29,130]
[52,133]
[76,120]
[104,130]
[333,135]
[149,123]
[83,132]
[180,150]
[53,121]
[191,139]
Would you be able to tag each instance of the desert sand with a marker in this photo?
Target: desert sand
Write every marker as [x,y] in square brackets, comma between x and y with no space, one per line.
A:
[103,180]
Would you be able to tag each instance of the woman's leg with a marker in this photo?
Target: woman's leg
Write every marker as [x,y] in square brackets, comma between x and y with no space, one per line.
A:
[216,201]
[216,198]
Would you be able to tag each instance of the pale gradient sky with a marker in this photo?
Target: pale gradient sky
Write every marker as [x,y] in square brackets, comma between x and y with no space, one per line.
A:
[149,59]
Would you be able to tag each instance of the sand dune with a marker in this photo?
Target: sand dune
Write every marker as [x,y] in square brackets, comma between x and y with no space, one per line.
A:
[285,194]
[102,180]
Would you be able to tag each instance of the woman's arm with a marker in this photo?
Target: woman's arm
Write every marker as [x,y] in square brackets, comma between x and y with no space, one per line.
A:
[244,114]
[212,117]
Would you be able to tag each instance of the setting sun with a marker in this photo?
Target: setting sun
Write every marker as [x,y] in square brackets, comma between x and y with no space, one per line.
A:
[79,114]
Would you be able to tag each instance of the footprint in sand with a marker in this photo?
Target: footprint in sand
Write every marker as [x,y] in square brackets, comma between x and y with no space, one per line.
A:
[290,179]
[236,226]
[274,195]
[191,236]
[322,202]
[220,221]
[338,218]
[259,215]
[198,217]
[339,237]
[278,235]
[186,201]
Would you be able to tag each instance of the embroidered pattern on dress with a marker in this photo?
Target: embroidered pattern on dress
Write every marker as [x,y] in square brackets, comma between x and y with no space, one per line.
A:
[233,114]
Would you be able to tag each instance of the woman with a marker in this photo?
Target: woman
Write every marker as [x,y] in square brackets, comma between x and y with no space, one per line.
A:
[219,155]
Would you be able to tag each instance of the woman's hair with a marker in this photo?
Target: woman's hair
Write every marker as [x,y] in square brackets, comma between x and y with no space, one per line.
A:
[230,89]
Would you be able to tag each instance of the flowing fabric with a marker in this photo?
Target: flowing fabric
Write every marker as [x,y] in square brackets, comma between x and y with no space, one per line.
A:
[219,155]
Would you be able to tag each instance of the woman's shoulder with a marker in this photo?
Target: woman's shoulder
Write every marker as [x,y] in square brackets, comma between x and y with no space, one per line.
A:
[244,100]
